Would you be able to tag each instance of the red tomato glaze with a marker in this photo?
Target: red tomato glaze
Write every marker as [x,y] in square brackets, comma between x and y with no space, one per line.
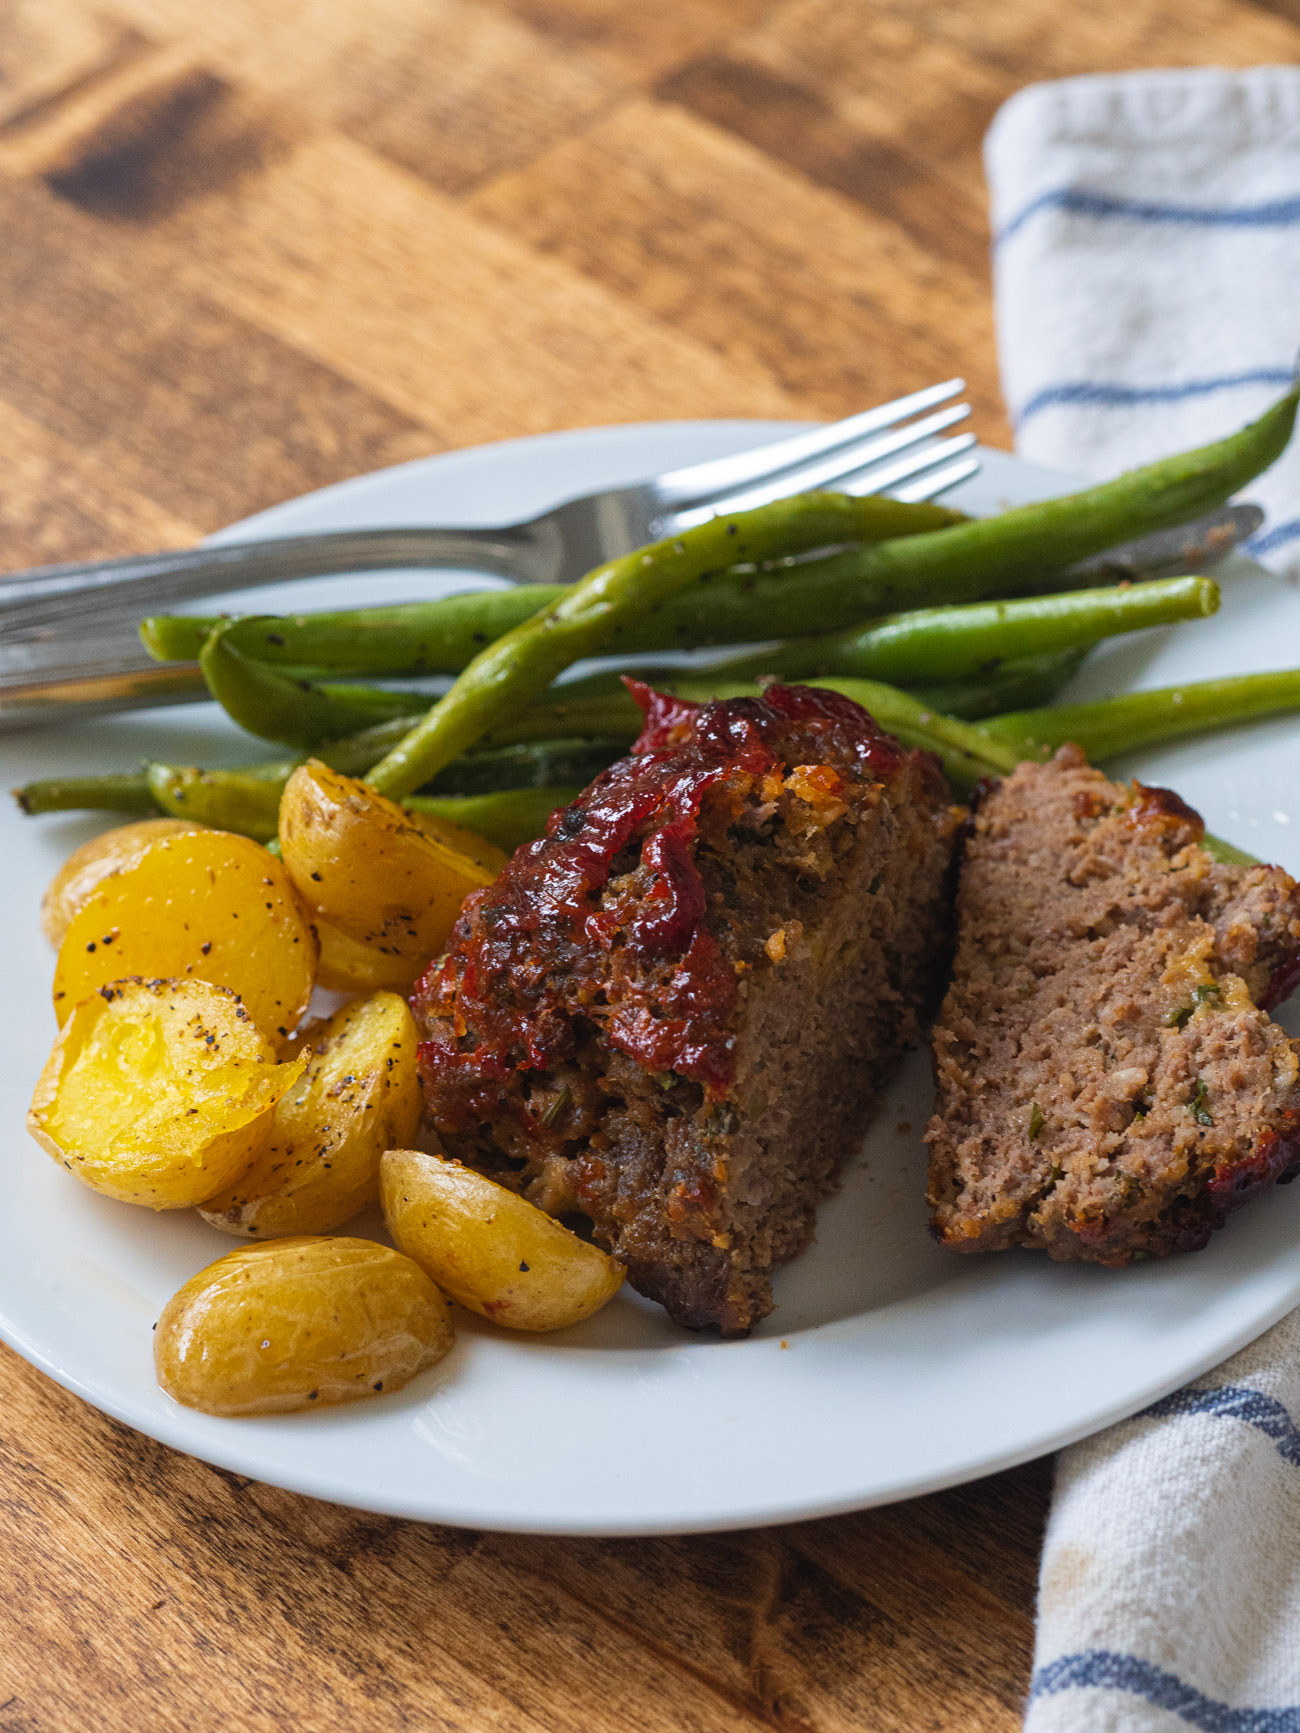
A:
[547,941]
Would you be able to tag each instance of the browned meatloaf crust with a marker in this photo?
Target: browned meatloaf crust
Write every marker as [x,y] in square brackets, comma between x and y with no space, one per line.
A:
[674,1014]
[1110,1083]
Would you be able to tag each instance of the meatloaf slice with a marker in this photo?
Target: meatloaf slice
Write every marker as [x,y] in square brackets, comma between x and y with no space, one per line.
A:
[1110,1084]
[674,1014]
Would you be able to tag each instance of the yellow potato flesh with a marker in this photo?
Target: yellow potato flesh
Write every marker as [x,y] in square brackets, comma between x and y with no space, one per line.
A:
[359,1096]
[87,867]
[208,905]
[347,966]
[490,1249]
[299,1324]
[159,1092]
[376,874]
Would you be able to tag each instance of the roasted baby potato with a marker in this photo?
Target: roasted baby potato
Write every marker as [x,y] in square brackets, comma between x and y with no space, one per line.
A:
[490,1249]
[373,871]
[298,1324]
[359,1096]
[206,904]
[159,1092]
[348,966]
[87,866]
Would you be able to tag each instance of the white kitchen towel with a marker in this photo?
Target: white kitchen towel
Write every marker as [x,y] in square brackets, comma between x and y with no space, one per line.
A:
[1147,268]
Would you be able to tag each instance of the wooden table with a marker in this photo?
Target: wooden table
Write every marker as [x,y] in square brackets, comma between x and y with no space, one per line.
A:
[250,248]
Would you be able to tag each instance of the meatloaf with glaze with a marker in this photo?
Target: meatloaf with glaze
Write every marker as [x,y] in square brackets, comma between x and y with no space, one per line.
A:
[673,1015]
[1110,1084]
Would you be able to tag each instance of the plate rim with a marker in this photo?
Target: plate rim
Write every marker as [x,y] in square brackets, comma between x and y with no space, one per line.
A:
[171,1429]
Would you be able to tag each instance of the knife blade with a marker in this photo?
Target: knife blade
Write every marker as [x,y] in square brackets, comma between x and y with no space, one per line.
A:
[1187,548]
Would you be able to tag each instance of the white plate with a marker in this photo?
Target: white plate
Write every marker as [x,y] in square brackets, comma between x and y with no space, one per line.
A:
[889,1367]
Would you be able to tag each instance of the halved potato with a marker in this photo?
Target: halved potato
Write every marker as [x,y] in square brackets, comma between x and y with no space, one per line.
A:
[359,1096]
[491,1249]
[348,966]
[159,1092]
[299,1324]
[86,867]
[378,875]
[205,904]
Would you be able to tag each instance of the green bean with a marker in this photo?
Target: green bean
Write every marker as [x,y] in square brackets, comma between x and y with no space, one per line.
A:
[955,643]
[1011,554]
[247,801]
[454,629]
[1015,553]
[508,818]
[959,642]
[1029,680]
[1009,551]
[614,716]
[294,711]
[1227,852]
[935,645]
[532,742]
[413,638]
[179,637]
[1104,729]
[602,706]
[355,754]
[126,794]
[587,703]
[537,764]
[1134,720]
[318,718]
[504,677]
[965,751]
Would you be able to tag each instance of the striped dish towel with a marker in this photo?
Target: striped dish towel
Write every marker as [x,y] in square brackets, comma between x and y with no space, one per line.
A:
[1147,267]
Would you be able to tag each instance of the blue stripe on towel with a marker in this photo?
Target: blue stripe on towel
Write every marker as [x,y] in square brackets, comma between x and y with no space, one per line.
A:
[1098,396]
[1270,214]
[1266,541]
[1236,1402]
[1106,1670]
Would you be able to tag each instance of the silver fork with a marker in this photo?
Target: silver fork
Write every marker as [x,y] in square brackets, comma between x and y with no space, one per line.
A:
[68,638]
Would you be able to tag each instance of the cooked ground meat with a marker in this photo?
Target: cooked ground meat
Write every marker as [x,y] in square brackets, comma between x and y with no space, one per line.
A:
[1110,1084]
[674,1014]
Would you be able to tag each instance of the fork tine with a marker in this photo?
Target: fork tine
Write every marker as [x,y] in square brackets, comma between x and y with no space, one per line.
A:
[864,460]
[701,483]
[916,463]
[938,481]
[851,460]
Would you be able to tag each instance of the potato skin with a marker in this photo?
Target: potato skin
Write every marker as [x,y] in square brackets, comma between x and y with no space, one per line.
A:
[491,1249]
[204,904]
[299,1323]
[359,1096]
[86,867]
[348,966]
[159,1092]
[373,872]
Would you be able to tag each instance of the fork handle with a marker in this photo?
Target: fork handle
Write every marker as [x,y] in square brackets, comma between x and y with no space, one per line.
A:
[69,643]
[49,595]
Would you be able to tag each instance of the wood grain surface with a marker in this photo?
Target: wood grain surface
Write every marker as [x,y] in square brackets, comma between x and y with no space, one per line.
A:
[247,249]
